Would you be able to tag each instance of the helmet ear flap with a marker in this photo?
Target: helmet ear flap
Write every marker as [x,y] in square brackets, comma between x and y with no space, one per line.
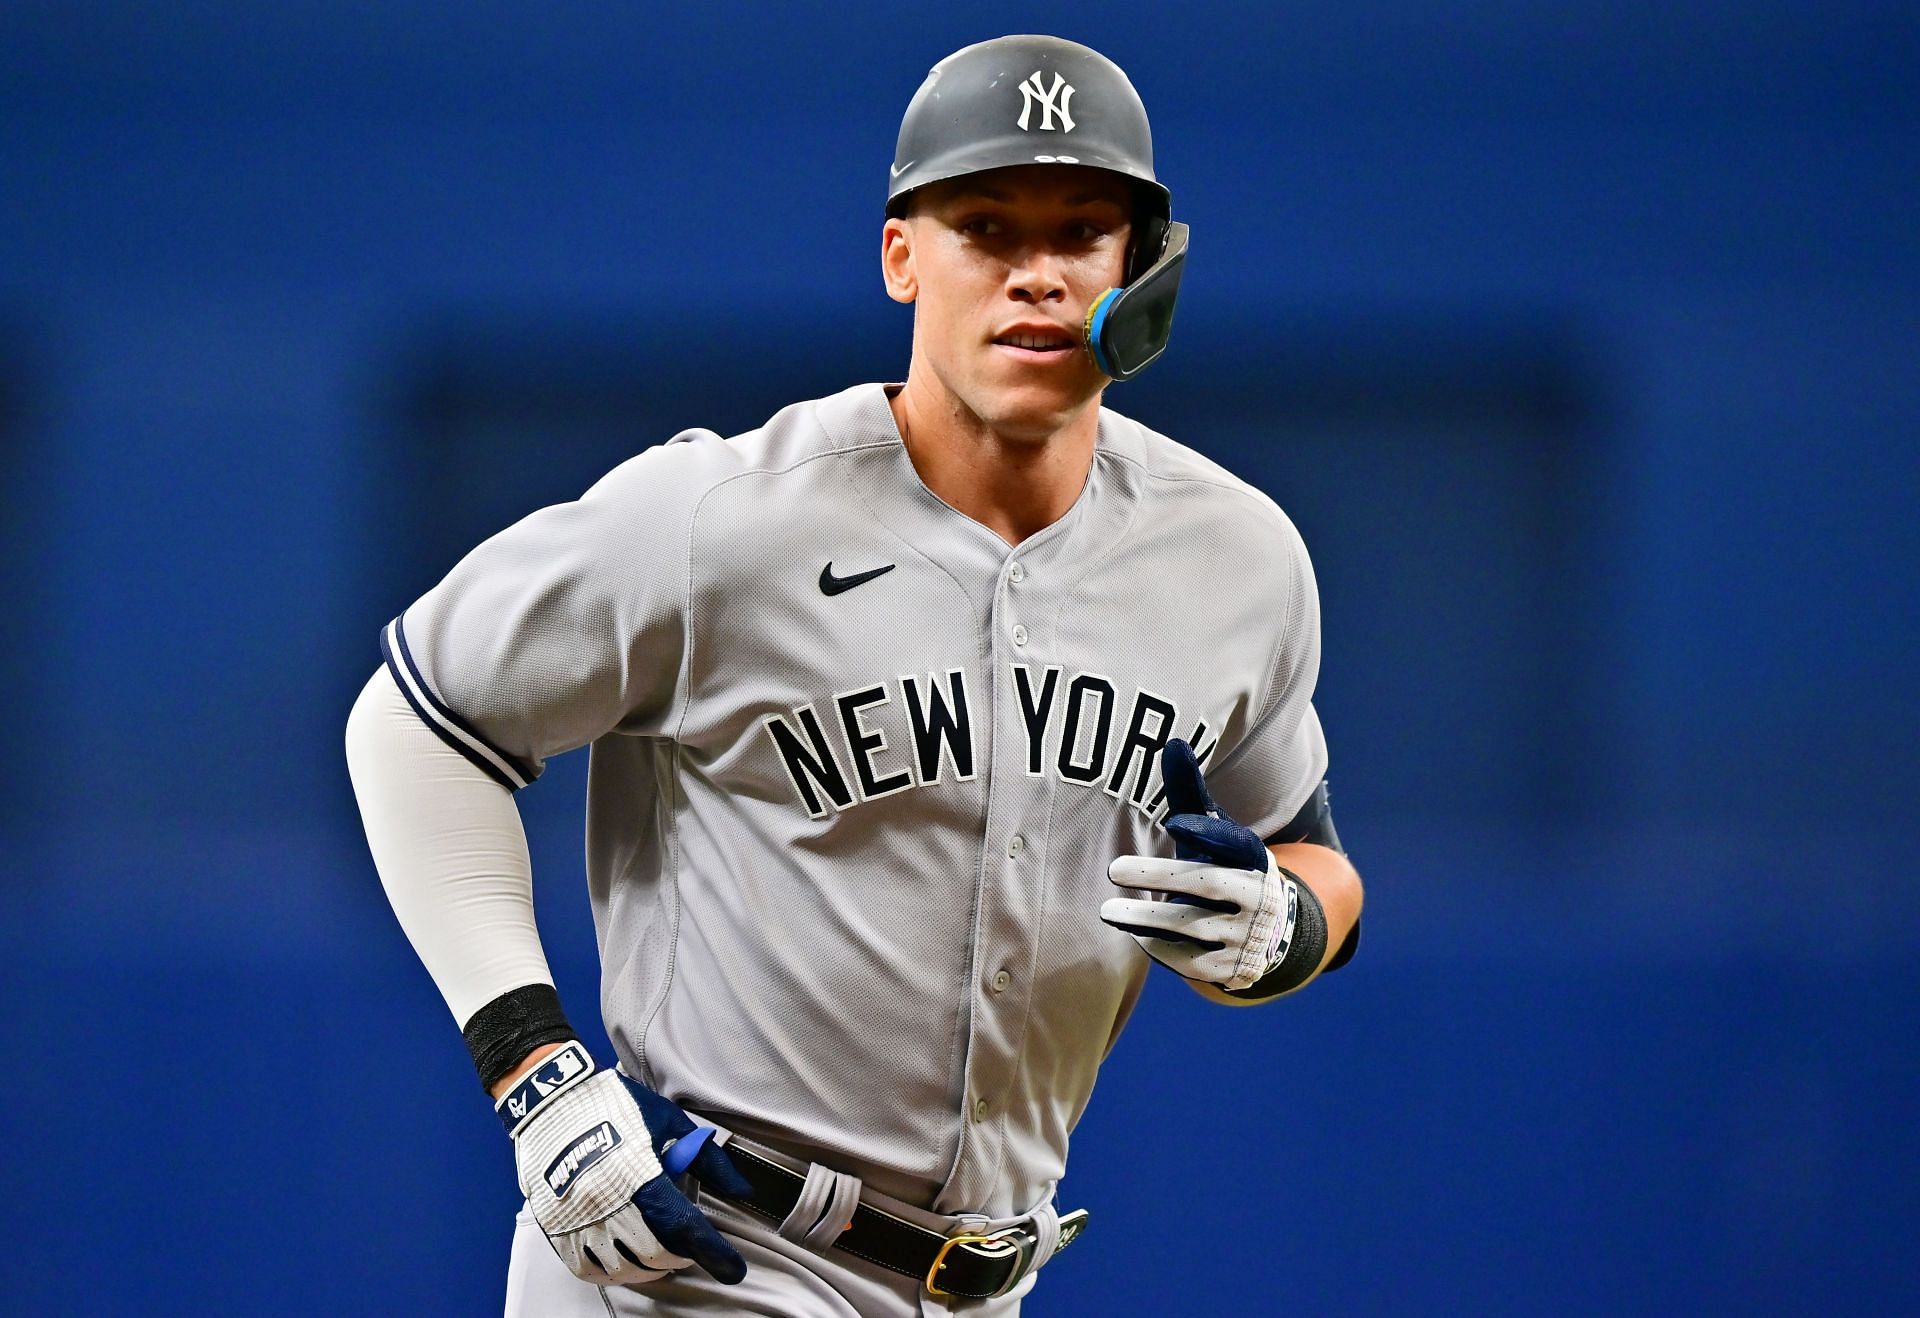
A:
[1147,244]
[1127,327]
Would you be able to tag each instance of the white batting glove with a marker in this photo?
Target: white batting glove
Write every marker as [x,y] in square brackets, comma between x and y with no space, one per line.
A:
[1228,911]
[588,1144]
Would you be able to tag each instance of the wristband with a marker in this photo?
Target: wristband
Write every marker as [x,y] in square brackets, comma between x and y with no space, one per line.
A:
[502,1033]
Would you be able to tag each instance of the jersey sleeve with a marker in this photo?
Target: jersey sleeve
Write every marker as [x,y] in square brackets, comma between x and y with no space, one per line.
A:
[1265,779]
[569,624]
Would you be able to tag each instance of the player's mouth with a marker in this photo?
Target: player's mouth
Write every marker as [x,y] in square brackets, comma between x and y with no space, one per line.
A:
[1037,343]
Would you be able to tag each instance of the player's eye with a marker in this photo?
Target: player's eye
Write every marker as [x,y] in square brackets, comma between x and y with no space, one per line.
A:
[980,224]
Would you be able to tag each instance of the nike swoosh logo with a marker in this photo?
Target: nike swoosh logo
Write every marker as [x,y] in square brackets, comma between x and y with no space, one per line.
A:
[832,585]
[898,170]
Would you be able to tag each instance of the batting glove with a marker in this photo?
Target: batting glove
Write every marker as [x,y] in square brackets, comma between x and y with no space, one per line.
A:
[1228,911]
[590,1146]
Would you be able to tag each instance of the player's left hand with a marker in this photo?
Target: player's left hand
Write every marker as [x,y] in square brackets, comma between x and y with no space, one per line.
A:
[1228,913]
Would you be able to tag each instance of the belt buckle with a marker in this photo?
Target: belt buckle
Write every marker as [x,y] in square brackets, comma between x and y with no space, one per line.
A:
[998,1245]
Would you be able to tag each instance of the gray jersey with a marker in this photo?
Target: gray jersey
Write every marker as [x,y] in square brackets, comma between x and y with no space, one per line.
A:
[858,767]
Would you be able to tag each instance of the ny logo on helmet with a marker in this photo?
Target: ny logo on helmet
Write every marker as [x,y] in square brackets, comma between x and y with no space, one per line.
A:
[1051,102]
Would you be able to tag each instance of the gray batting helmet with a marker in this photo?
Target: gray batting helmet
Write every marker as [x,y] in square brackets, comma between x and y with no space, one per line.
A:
[1036,100]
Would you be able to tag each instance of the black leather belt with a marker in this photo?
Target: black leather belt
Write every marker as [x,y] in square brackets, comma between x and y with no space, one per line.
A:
[968,1266]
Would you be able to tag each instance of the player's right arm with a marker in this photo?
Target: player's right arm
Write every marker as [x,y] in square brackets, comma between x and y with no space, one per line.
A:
[452,855]
[547,635]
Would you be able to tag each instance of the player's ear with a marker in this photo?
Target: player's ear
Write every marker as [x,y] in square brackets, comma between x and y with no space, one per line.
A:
[896,261]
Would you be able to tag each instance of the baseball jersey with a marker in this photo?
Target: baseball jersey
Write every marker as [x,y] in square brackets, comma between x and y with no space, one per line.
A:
[858,766]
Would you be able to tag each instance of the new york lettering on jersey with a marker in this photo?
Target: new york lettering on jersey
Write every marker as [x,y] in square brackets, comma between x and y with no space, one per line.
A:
[1078,728]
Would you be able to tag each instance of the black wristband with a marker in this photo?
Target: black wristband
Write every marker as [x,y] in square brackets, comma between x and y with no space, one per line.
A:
[1303,956]
[503,1032]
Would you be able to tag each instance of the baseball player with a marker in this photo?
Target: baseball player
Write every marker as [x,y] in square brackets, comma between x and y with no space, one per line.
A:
[924,719]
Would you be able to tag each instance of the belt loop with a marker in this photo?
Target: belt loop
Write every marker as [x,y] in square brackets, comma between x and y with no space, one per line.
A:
[824,1208]
[1046,1229]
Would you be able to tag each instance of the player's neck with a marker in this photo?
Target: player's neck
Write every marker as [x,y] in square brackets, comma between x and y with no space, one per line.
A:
[1013,487]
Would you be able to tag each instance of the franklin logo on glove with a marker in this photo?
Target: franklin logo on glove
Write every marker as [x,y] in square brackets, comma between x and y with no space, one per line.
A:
[580,1155]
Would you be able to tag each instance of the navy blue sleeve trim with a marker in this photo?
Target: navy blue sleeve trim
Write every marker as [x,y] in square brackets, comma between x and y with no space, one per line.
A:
[1347,949]
[1313,823]
[509,771]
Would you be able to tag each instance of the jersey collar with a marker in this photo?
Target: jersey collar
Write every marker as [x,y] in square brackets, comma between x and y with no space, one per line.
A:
[861,426]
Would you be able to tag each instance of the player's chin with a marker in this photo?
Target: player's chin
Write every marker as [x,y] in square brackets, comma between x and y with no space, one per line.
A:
[1035,413]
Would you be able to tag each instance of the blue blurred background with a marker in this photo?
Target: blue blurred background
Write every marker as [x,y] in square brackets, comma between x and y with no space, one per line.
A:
[1579,340]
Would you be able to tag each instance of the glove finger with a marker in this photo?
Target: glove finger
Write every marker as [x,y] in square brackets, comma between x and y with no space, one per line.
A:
[1196,881]
[1210,962]
[1176,924]
[1150,939]
[685,1229]
[1155,873]
[657,1263]
[620,1250]
[1180,775]
[716,1169]
[1203,837]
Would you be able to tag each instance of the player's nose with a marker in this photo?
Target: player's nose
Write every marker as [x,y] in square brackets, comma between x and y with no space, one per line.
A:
[1036,277]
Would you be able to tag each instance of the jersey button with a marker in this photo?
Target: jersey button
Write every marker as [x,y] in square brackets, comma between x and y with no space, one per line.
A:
[1015,845]
[1000,981]
[980,1109]
[1019,634]
[1018,572]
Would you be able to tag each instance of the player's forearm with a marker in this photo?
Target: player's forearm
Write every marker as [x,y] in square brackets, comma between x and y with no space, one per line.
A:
[451,852]
[1334,882]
